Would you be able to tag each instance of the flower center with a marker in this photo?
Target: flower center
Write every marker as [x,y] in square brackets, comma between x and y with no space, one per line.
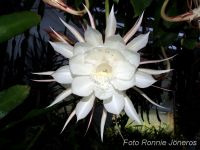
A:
[102,75]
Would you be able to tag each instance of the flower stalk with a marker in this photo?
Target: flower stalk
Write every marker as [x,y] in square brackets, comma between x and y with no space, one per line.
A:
[66,8]
[193,14]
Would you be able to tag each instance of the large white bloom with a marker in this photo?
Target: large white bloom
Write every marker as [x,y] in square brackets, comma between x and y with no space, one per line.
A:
[103,69]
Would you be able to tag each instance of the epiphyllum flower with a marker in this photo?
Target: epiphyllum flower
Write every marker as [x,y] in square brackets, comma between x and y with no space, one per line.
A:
[193,14]
[103,69]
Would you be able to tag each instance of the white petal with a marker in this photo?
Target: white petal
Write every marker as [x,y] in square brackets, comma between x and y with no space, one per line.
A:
[90,17]
[156,61]
[69,119]
[143,80]
[138,42]
[93,37]
[73,31]
[44,73]
[115,104]
[103,121]
[123,84]
[64,49]
[115,42]
[61,96]
[154,72]
[134,29]
[63,75]
[79,67]
[111,24]
[81,48]
[82,86]
[84,107]
[130,110]
[103,94]
[123,70]
[149,99]
[132,57]
[94,57]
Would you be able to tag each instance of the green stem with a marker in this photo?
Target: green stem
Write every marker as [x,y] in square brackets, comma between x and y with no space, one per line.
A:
[106,8]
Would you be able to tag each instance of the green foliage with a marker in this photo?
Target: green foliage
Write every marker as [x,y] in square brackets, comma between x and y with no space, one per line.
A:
[12,97]
[16,23]
[190,43]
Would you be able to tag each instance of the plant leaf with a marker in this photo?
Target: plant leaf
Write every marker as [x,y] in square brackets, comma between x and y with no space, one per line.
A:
[16,23]
[12,97]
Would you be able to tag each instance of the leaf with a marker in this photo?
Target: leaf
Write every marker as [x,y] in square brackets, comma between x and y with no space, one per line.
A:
[12,97]
[189,43]
[140,5]
[16,23]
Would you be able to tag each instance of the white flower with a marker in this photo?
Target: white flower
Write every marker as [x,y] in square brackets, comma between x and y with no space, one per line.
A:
[103,69]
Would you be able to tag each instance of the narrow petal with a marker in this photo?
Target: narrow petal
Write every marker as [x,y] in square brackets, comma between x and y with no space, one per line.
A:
[134,29]
[93,37]
[46,80]
[61,96]
[73,31]
[58,35]
[103,121]
[81,48]
[156,61]
[79,67]
[147,98]
[103,94]
[89,123]
[44,73]
[64,49]
[139,42]
[90,17]
[143,80]
[130,110]
[154,72]
[122,85]
[69,119]
[63,75]
[111,24]
[82,86]
[123,70]
[84,107]
[115,104]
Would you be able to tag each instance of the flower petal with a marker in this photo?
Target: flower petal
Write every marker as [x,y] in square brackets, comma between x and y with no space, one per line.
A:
[111,24]
[81,48]
[93,37]
[115,104]
[69,119]
[123,70]
[130,110]
[84,106]
[82,86]
[143,80]
[73,31]
[90,17]
[132,57]
[115,42]
[61,96]
[103,94]
[79,67]
[123,84]
[134,29]
[138,42]
[154,72]
[149,99]
[63,75]
[63,48]
[103,121]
